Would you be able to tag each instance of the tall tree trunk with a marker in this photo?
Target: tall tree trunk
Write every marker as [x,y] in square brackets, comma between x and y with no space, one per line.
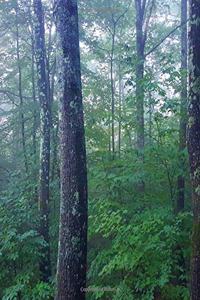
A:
[183,117]
[55,150]
[113,90]
[109,136]
[34,126]
[34,129]
[120,110]
[72,253]
[45,266]
[143,15]
[194,141]
[150,106]
[20,91]
[140,45]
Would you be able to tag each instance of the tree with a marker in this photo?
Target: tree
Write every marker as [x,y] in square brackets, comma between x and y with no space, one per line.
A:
[20,91]
[109,24]
[72,253]
[114,23]
[183,112]
[194,141]
[45,115]
[143,15]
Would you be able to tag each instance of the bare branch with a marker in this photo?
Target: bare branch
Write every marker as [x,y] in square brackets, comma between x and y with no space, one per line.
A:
[9,93]
[164,38]
[123,14]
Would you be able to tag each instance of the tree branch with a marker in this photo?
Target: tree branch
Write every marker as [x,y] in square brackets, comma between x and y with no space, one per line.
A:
[122,15]
[9,93]
[164,38]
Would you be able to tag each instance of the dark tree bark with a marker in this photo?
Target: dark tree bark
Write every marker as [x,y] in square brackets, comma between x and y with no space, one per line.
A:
[34,128]
[20,92]
[72,253]
[40,53]
[140,46]
[183,117]
[194,141]
[143,15]
[120,110]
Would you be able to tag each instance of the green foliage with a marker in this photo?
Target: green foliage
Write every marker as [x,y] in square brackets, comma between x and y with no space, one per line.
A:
[137,246]
[175,292]
[136,251]
[42,291]
[20,243]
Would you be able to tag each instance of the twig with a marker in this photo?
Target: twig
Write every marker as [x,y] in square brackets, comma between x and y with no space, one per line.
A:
[164,38]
